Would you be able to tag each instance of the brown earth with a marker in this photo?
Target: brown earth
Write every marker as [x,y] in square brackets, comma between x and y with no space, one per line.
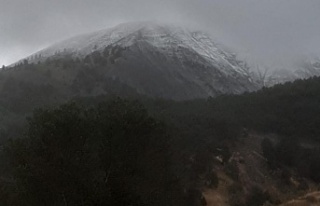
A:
[253,172]
[311,199]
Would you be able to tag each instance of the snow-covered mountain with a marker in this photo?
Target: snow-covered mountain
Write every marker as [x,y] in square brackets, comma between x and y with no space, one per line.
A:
[304,69]
[160,60]
[309,68]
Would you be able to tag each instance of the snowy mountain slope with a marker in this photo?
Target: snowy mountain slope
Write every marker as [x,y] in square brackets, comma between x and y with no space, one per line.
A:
[160,60]
[306,68]
[161,36]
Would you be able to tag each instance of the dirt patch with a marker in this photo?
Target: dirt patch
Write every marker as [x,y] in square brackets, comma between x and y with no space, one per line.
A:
[311,199]
[214,198]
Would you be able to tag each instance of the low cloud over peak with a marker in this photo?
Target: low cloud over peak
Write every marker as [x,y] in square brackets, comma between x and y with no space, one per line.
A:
[265,31]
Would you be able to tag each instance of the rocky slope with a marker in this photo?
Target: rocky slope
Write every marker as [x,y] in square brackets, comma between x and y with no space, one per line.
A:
[252,175]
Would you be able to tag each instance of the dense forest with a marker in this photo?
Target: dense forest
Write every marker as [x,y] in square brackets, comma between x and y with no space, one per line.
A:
[71,136]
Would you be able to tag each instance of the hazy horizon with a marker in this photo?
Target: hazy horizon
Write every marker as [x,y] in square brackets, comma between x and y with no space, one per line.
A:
[272,32]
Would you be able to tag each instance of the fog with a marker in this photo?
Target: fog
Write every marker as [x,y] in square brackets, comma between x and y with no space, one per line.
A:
[270,32]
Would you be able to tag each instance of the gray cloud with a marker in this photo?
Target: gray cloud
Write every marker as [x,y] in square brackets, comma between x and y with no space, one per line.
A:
[265,31]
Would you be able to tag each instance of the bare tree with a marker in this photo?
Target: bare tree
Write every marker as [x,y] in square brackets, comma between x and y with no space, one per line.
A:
[262,75]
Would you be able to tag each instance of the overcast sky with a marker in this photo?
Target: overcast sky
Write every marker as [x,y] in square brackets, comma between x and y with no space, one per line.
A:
[261,30]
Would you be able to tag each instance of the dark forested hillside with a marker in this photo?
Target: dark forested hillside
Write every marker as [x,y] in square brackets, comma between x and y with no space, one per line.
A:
[88,147]
[25,87]
[290,109]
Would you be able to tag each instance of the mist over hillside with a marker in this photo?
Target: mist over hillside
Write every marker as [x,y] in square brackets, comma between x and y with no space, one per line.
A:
[270,33]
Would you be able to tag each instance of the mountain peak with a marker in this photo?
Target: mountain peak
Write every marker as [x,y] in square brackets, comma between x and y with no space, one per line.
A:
[85,43]
[160,60]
